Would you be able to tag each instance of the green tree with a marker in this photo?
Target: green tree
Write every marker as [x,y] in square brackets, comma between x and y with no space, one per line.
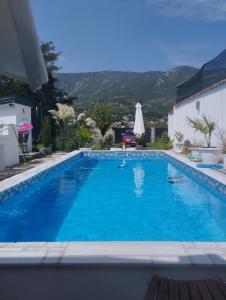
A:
[103,118]
[46,132]
[44,99]
[49,94]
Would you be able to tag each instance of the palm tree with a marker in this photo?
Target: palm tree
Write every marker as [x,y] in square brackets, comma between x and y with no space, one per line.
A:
[205,126]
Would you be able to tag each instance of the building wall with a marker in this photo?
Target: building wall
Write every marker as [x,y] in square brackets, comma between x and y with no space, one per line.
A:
[12,115]
[171,125]
[212,104]
[9,147]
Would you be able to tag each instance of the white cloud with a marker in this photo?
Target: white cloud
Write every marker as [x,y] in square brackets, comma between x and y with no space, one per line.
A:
[210,10]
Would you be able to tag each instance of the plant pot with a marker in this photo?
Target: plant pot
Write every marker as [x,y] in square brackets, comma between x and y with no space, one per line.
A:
[178,147]
[224,160]
[85,149]
[50,150]
[45,150]
[139,147]
[210,155]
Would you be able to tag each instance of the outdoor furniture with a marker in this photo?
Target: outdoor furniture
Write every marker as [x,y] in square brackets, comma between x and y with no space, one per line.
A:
[167,289]
[20,53]
[23,139]
[194,157]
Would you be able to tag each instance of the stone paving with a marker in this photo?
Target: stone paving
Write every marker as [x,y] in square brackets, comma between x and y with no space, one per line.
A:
[126,253]
[18,169]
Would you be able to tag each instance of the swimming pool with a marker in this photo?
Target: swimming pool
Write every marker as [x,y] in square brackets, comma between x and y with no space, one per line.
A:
[115,198]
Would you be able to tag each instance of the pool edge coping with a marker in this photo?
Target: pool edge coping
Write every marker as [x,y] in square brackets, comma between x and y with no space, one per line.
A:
[211,173]
[28,174]
[152,254]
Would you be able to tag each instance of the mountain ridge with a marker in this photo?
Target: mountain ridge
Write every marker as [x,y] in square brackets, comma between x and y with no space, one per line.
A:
[156,90]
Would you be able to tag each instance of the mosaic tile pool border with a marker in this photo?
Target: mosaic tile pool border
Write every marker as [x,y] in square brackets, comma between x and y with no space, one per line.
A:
[10,187]
[203,175]
[122,154]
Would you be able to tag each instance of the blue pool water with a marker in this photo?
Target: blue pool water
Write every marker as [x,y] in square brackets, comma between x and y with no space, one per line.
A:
[95,200]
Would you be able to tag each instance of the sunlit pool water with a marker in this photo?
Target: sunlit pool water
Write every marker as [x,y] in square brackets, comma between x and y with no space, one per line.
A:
[97,200]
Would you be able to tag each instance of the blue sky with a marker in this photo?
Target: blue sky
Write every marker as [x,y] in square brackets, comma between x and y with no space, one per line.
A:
[132,35]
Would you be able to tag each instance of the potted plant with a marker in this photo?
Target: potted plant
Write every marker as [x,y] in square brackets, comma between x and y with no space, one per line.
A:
[167,144]
[139,143]
[206,127]
[222,137]
[179,145]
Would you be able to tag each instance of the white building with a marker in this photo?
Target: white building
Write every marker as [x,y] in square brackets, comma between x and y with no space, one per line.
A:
[203,94]
[13,111]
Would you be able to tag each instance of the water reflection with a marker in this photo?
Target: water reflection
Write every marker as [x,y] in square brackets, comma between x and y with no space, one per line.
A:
[138,179]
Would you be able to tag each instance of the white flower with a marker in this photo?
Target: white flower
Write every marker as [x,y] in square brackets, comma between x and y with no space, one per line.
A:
[81,117]
[90,123]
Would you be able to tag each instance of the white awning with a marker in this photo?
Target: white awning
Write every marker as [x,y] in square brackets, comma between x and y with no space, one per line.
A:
[20,53]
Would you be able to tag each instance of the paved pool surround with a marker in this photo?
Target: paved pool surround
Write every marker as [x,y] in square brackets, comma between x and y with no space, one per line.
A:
[173,258]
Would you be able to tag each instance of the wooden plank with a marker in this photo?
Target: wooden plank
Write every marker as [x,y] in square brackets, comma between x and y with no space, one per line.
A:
[153,288]
[173,290]
[164,289]
[204,290]
[215,292]
[194,291]
[222,286]
[163,293]
[183,289]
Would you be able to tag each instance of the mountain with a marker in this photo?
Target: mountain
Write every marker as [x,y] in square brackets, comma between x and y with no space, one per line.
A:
[156,90]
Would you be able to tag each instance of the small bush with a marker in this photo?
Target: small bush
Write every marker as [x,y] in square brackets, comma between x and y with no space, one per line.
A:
[119,145]
[108,141]
[63,143]
[167,143]
[97,147]
[84,137]
[139,140]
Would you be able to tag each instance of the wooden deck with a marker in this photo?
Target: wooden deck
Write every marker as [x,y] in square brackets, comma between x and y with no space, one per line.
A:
[166,289]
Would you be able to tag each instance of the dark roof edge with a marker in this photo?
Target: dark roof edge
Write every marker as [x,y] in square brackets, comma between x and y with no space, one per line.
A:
[202,92]
[14,99]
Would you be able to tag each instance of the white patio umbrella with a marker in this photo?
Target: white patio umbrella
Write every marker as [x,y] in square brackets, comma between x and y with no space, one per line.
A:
[139,121]
[20,53]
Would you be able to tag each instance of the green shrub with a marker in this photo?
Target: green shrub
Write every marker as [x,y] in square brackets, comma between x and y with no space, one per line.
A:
[163,143]
[119,145]
[46,132]
[167,143]
[83,137]
[65,143]
[139,140]
[97,147]
[108,141]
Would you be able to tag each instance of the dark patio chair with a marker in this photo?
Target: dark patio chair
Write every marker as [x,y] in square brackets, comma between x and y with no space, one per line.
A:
[23,139]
